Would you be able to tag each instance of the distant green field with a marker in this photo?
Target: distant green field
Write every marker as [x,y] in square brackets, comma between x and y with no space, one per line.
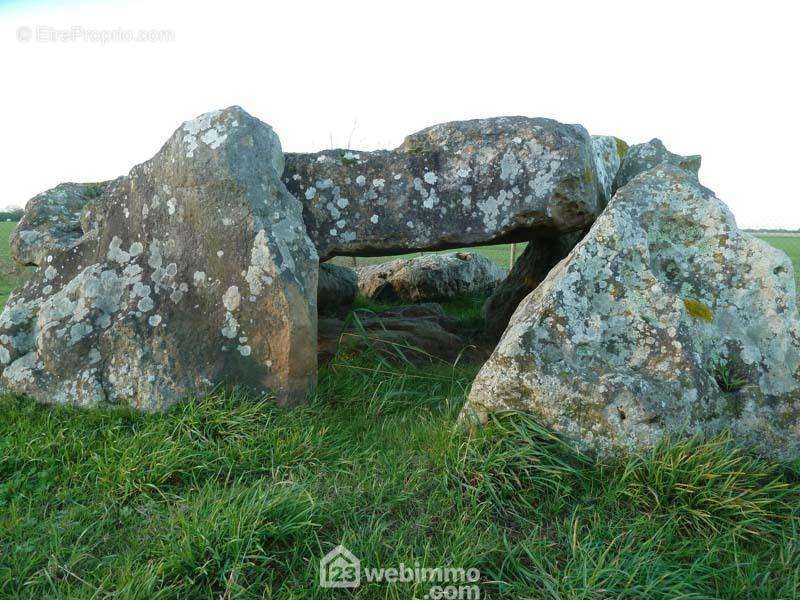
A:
[789,244]
[5,231]
[10,275]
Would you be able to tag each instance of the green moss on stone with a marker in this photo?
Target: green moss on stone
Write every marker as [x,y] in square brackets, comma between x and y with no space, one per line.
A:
[622,148]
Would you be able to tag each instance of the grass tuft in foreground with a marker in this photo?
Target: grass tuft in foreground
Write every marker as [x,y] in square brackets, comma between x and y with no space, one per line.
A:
[229,496]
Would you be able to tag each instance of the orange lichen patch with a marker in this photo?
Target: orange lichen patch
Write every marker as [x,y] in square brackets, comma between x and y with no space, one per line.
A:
[698,310]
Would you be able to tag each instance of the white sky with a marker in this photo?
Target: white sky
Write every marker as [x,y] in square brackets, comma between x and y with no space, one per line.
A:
[719,79]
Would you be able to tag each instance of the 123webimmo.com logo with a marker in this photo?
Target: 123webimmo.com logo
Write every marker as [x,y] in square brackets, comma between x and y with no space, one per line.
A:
[340,568]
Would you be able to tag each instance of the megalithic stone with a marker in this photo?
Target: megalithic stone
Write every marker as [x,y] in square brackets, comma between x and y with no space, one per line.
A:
[193,270]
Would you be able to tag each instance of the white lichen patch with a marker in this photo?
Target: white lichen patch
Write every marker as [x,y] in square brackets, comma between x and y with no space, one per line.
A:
[145,304]
[509,167]
[214,138]
[202,127]
[231,298]
[261,269]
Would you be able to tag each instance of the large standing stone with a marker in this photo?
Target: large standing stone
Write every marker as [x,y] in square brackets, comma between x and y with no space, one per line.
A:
[528,272]
[194,270]
[52,222]
[455,184]
[430,277]
[634,334]
[642,157]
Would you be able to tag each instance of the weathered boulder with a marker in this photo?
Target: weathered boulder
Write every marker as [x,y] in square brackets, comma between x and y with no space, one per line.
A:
[651,324]
[420,332]
[337,288]
[608,153]
[456,184]
[643,157]
[52,222]
[194,270]
[429,277]
[528,272]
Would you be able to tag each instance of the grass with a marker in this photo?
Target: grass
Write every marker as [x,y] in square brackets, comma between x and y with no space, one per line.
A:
[728,377]
[228,496]
[466,309]
[11,275]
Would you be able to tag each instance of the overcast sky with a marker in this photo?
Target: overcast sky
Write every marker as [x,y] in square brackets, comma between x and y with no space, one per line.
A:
[719,79]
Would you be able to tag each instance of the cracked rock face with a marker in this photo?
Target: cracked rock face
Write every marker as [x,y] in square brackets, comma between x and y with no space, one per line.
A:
[629,337]
[430,277]
[51,223]
[609,152]
[193,270]
[544,252]
[642,157]
[456,184]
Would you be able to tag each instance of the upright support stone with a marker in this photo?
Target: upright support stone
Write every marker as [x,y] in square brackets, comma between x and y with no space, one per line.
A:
[192,271]
[665,319]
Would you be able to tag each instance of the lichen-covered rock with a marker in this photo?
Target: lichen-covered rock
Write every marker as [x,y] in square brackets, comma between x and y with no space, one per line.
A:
[195,270]
[337,288]
[528,272]
[608,152]
[643,157]
[52,222]
[429,277]
[455,184]
[645,328]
